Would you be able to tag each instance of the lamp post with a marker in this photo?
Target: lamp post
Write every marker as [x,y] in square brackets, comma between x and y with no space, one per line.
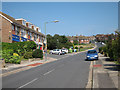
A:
[46,37]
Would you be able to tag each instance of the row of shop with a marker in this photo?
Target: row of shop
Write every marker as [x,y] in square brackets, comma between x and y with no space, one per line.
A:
[16,38]
[18,30]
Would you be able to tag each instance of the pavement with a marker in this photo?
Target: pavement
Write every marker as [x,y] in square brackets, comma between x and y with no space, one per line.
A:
[105,74]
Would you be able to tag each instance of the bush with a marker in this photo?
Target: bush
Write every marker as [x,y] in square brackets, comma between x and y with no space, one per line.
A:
[14,59]
[12,51]
[28,55]
[20,47]
[38,53]
[81,46]
[10,57]
[6,54]
[76,47]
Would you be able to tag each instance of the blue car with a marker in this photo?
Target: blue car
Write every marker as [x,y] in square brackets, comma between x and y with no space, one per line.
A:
[92,55]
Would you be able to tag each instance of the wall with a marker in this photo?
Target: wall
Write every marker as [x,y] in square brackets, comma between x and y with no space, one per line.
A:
[6,31]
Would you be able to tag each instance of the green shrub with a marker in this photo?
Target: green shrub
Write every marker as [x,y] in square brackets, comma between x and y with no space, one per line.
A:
[20,47]
[14,59]
[38,53]
[6,54]
[28,55]
[81,46]
[76,47]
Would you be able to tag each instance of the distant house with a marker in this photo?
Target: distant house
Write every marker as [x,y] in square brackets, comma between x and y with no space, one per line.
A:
[104,37]
[81,39]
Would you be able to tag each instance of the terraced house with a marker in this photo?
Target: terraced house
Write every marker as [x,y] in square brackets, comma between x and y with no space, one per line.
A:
[19,30]
[81,39]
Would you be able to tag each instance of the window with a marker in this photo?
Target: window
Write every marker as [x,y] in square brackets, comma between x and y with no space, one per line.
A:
[23,22]
[17,30]
[35,37]
[22,32]
[13,27]
[35,28]
[40,39]
[30,35]
[92,52]
[39,30]
[30,25]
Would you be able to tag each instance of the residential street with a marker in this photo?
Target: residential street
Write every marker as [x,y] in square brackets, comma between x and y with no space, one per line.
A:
[59,45]
[69,72]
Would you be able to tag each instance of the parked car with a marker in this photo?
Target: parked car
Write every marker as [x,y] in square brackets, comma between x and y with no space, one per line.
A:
[57,51]
[92,55]
[65,50]
[75,50]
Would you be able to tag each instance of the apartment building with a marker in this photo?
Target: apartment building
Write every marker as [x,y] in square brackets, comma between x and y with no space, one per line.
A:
[19,30]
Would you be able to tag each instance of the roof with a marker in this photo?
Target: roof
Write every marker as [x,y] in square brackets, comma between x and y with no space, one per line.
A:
[77,37]
[19,24]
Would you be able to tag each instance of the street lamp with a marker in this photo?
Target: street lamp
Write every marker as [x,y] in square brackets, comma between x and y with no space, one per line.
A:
[46,37]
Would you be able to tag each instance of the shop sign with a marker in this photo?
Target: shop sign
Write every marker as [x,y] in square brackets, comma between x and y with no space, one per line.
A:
[23,39]
[15,38]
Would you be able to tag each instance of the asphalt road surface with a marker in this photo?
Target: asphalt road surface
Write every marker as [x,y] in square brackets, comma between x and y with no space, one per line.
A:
[69,72]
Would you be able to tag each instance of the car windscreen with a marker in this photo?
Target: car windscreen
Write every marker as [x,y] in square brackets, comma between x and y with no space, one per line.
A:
[91,52]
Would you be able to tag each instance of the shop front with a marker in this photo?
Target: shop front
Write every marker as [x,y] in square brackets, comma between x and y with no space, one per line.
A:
[23,39]
[15,38]
[40,46]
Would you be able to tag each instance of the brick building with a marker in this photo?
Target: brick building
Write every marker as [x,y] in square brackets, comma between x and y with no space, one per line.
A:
[81,39]
[104,37]
[19,30]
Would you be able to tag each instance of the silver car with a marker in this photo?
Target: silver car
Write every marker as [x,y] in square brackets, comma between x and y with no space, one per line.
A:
[56,51]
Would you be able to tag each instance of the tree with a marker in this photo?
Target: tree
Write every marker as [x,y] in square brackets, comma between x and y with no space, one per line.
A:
[51,42]
[75,42]
[57,41]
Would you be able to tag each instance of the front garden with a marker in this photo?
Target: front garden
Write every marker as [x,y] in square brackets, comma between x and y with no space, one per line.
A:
[15,52]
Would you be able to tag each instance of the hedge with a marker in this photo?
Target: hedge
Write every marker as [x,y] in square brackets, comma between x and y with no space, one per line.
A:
[28,55]
[12,52]
[38,53]
[20,47]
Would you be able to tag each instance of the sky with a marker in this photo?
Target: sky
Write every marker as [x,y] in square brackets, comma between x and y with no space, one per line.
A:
[75,18]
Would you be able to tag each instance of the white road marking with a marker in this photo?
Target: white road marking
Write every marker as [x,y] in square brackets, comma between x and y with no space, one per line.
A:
[27,83]
[48,72]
